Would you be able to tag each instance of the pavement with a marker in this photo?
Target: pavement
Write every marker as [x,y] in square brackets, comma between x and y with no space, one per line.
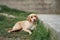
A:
[52,21]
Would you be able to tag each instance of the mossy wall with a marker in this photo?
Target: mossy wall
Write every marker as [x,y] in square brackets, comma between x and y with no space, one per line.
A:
[40,6]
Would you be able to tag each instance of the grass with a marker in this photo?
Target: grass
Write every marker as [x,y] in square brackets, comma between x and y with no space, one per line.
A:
[39,34]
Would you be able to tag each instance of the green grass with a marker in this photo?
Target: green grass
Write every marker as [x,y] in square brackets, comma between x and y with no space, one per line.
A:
[40,33]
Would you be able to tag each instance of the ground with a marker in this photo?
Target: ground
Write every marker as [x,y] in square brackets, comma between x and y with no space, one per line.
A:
[40,33]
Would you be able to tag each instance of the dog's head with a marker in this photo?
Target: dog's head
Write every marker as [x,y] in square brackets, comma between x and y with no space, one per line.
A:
[32,18]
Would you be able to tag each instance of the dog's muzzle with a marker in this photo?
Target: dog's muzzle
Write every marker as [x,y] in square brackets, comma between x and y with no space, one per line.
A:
[34,20]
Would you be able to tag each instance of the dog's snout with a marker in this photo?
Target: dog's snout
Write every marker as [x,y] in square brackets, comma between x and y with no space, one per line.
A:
[34,20]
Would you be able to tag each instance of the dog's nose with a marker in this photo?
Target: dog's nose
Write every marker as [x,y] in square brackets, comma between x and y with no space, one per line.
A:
[34,20]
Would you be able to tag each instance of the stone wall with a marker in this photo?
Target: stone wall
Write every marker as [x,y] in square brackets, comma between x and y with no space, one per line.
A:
[40,6]
[58,6]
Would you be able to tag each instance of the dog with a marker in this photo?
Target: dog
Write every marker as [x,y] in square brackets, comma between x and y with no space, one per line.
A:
[26,25]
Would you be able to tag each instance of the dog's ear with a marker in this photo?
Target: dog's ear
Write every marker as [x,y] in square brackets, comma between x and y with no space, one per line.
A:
[29,19]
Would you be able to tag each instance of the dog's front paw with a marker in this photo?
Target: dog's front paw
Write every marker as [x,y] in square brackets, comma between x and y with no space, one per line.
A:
[30,33]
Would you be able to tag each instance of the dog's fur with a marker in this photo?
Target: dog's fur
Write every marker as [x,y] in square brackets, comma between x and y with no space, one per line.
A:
[26,25]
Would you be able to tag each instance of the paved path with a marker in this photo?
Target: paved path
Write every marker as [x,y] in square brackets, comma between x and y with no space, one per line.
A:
[54,24]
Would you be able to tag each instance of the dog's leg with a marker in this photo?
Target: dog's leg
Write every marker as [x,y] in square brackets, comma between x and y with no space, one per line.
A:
[26,30]
[14,29]
[9,31]
[34,27]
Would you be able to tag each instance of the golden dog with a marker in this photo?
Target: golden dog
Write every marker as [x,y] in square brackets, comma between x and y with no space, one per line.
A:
[26,25]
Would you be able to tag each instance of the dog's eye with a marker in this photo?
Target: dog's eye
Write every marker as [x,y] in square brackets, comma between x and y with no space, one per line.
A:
[31,17]
[34,16]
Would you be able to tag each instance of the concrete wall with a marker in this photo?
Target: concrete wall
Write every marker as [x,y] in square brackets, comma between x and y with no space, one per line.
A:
[58,6]
[40,6]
